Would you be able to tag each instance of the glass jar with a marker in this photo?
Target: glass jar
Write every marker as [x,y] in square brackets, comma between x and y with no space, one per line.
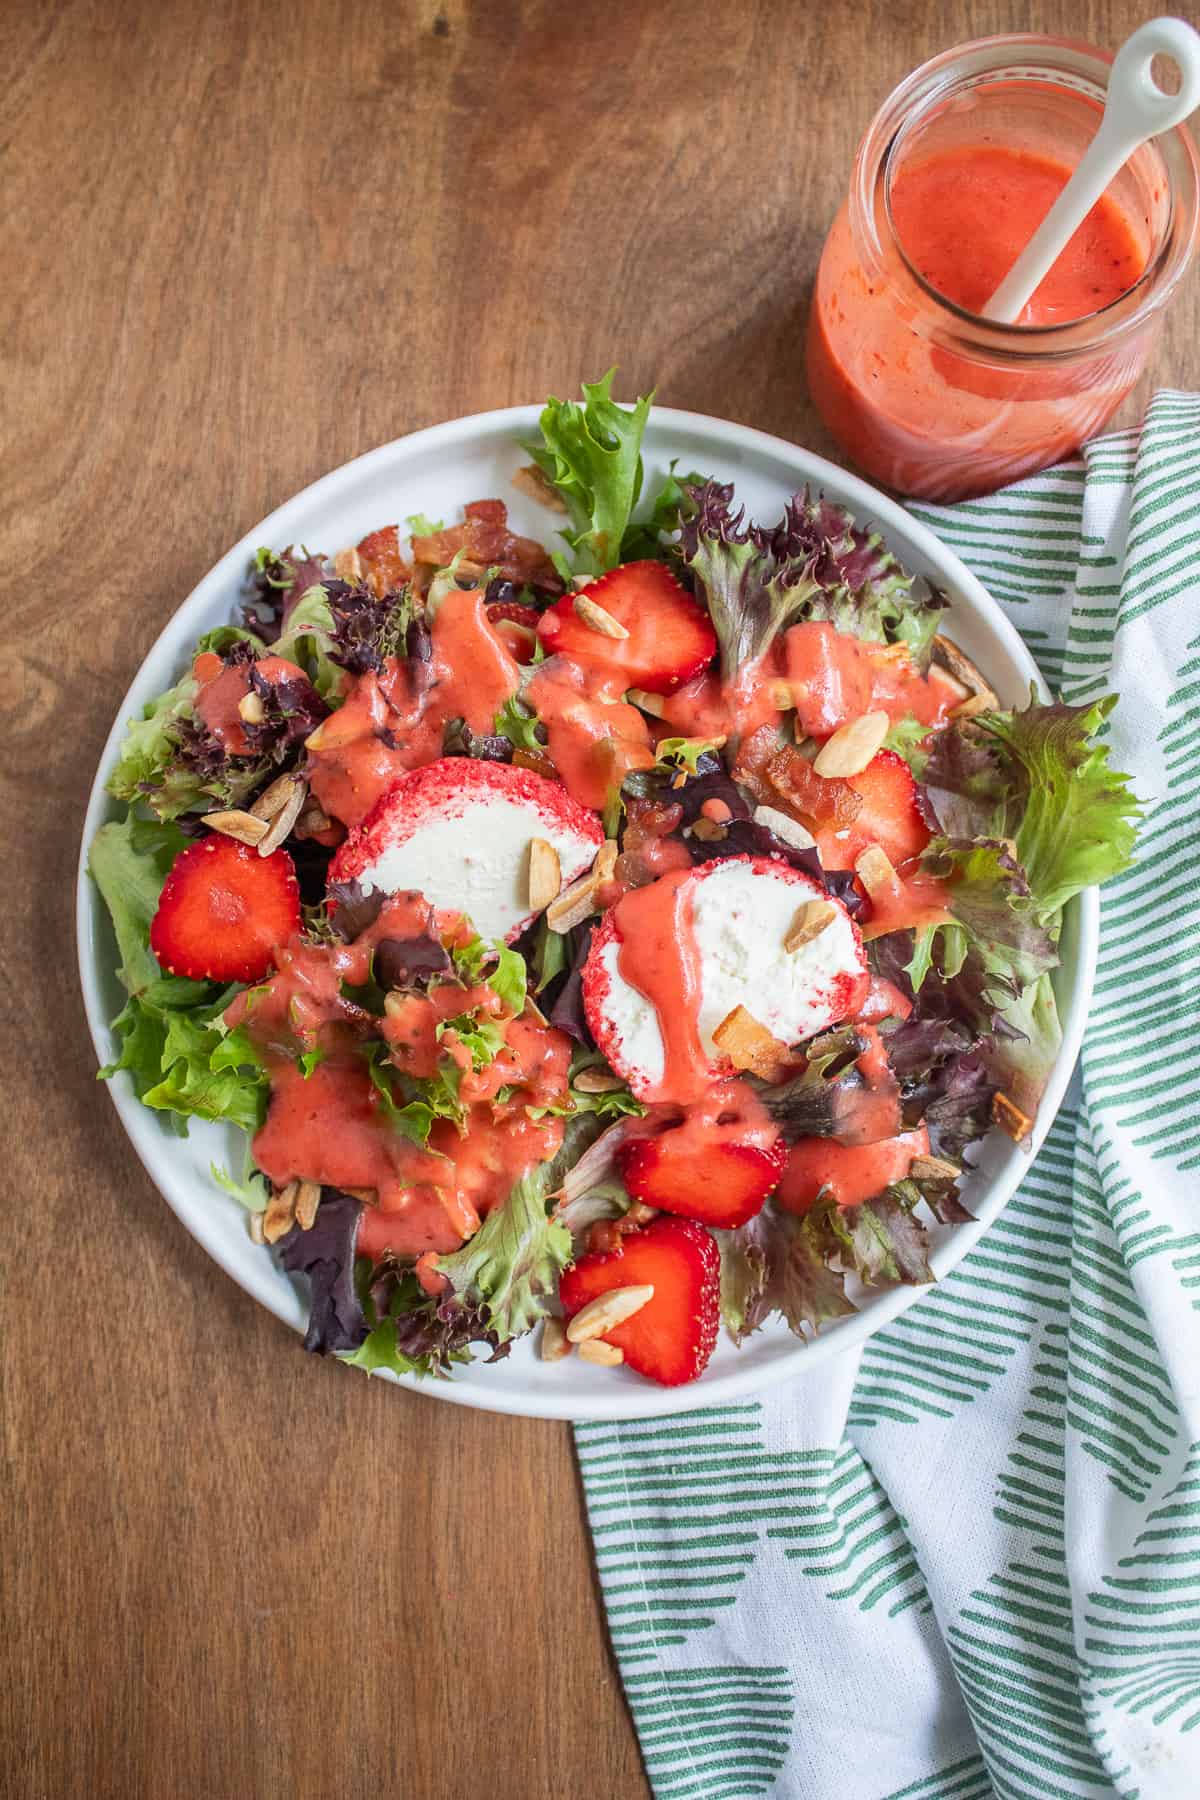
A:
[926,396]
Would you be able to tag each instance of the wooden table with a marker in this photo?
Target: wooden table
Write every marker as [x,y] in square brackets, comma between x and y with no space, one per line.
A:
[249,242]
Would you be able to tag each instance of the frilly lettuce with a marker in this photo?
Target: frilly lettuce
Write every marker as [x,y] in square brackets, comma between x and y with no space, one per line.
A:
[591,453]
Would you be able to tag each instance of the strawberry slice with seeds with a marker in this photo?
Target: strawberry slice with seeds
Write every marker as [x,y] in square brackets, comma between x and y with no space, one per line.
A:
[671,1338]
[224,911]
[888,816]
[721,1184]
[659,638]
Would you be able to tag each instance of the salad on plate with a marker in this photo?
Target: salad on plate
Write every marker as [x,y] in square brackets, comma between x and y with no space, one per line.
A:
[620,936]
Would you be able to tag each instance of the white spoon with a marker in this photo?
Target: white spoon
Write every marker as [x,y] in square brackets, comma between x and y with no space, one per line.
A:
[1136,109]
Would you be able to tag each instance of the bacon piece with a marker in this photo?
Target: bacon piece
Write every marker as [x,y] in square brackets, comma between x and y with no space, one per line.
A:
[385,568]
[486,540]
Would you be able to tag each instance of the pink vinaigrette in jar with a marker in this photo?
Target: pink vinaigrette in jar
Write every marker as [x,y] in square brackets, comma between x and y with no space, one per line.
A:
[953,177]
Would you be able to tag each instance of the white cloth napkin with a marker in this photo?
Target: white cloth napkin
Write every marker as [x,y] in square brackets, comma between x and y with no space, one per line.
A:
[967,1562]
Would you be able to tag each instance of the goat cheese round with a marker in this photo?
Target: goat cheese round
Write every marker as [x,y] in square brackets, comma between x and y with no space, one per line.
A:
[743,909]
[459,831]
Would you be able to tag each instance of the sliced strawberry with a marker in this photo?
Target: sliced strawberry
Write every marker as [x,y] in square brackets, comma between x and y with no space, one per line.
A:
[722,1185]
[516,626]
[888,816]
[224,911]
[673,1335]
[670,636]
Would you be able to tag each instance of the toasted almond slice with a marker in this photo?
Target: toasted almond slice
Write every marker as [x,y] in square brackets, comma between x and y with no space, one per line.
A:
[782,697]
[254,1225]
[273,799]
[708,831]
[654,704]
[530,480]
[749,1045]
[284,819]
[852,746]
[785,827]
[308,1198]
[575,904]
[579,582]
[1009,1117]
[810,921]
[641,1214]
[314,739]
[545,874]
[598,1081]
[595,1350]
[240,825]
[531,1006]
[680,780]
[943,678]
[539,763]
[874,869]
[280,1215]
[251,708]
[607,1311]
[312,821]
[368,1196]
[347,566]
[598,618]
[933,1168]
[983,701]
[554,1345]
[606,860]
[957,663]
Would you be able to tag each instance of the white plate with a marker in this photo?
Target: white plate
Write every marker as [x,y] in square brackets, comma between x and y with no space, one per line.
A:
[435,472]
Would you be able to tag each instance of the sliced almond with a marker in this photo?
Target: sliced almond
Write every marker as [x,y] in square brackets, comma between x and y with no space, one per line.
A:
[654,704]
[749,1045]
[251,708]
[597,1081]
[280,1215]
[284,819]
[347,566]
[530,480]
[940,677]
[852,746]
[607,1311]
[540,765]
[606,860]
[554,1344]
[1009,1117]
[789,829]
[874,869]
[709,831]
[368,1196]
[595,1350]
[598,618]
[312,821]
[782,697]
[545,874]
[254,1225]
[308,1198]
[579,582]
[983,701]
[810,921]
[933,1168]
[957,663]
[273,799]
[240,825]
[641,1214]
[575,904]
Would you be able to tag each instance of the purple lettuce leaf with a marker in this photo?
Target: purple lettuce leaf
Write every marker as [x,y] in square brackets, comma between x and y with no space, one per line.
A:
[405,964]
[353,909]
[324,1255]
[779,1263]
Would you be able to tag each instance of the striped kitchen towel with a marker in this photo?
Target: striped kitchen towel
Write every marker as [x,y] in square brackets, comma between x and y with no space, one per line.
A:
[967,1561]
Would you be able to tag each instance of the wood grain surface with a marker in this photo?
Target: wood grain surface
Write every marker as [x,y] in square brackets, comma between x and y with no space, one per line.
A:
[244,243]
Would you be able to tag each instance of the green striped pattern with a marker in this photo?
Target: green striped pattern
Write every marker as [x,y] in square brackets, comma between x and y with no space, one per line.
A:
[712,1733]
[967,1564]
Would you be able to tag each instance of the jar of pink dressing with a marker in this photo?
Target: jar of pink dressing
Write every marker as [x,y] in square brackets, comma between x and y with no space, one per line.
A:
[956,171]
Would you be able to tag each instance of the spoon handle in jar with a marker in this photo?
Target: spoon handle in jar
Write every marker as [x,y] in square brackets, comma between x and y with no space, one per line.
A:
[1136,109]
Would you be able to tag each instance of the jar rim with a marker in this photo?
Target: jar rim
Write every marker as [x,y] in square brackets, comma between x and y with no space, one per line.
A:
[1075,67]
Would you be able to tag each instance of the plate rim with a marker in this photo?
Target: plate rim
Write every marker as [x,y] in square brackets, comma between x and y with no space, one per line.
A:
[627,1403]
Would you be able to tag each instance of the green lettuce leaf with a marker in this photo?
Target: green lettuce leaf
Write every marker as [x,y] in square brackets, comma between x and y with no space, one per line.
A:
[149,748]
[519,724]
[510,1268]
[309,641]
[129,861]
[183,1062]
[1038,776]
[591,453]
[653,538]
